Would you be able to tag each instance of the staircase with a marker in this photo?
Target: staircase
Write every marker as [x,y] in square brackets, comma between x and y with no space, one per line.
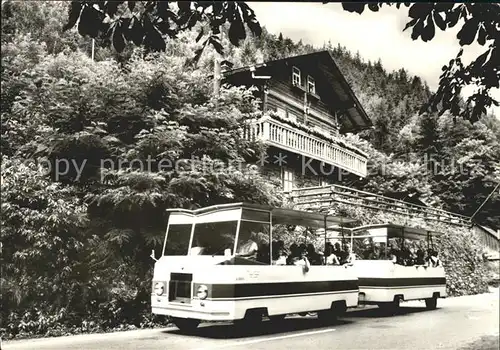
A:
[321,198]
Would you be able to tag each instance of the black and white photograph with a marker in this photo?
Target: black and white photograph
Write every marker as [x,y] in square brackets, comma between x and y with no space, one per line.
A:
[250,175]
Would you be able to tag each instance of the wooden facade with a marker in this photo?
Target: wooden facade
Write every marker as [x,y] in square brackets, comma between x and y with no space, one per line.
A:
[307,105]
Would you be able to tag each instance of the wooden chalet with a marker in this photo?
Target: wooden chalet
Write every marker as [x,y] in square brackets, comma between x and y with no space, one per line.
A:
[308,104]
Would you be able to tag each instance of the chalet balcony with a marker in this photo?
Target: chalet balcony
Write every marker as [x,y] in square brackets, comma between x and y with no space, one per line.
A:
[284,136]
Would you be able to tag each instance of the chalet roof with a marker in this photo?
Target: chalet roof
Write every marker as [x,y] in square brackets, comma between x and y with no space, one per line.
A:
[357,119]
[488,230]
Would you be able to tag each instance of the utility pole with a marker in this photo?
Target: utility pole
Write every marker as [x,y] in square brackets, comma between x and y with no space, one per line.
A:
[93,48]
[482,205]
[217,75]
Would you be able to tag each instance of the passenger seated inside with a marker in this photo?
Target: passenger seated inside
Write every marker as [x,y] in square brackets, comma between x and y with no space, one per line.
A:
[375,253]
[420,259]
[313,257]
[263,253]
[330,257]
[341,255]
[394,254]
[351,257]
[197,248]
[279,253]
[294,254]
[433,259]
[247,247]
[302,258]
[413,256]
[406,257]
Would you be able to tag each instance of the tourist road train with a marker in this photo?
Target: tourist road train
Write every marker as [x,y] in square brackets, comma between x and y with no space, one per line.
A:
[230,262]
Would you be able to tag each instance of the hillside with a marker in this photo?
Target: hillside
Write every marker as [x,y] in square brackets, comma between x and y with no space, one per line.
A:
[88,147]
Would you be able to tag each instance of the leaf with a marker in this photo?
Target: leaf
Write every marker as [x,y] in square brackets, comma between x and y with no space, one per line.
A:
[73,13]
[481,36]
[468,32]
[410,24]
[439,20]
[131,5]
[415,11]
[153,37]
[184,6]
[452,17]
[429,30]
[195,17]
[90,22]
[200,35]
[481,60]
[136,32]
[236,32]
[374,7]
[255,27]
[118,40]
[356,7]
[443,7]
[111,7]
[214,41]
[417,30]
[164,11]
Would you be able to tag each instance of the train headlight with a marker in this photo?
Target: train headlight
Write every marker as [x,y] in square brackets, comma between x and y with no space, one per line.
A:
[159,288]
[202,292]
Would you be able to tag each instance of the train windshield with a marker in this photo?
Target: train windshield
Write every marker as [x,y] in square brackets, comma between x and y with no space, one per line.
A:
[213,238]
[178,237]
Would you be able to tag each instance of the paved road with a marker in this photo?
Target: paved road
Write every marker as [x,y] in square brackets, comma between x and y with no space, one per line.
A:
[456,323]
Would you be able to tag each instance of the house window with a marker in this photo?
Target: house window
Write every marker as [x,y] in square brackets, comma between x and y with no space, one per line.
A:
[287,180]
[311,85]
[296,76]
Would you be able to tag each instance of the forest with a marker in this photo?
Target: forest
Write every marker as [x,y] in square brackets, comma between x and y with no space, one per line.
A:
[77,234]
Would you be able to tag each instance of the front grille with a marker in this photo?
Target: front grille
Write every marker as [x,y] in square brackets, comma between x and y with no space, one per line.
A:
[180,287]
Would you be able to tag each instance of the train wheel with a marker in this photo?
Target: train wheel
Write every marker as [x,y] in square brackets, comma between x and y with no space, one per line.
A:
[431,303]
[186,324]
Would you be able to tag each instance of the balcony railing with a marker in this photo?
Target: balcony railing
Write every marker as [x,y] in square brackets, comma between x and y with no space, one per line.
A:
[284,136]
[326,197]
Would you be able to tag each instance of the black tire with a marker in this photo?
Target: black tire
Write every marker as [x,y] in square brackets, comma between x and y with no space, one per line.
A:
[186,324]
[251,320]
[330,316]
[327,316]
[391,307]
[277,318]
[431,303]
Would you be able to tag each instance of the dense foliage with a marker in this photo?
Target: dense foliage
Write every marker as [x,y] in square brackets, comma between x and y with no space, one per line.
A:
[93,151]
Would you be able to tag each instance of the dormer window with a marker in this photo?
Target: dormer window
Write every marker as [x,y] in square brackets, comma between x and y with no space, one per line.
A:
[311,85]
[296,76]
